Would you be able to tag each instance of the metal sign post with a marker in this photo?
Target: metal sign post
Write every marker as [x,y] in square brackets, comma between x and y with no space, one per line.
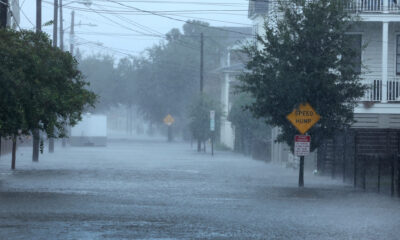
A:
[303,118]
[302,145]
[169,120]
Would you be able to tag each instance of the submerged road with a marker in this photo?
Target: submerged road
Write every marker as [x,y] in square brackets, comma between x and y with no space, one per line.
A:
[155,190]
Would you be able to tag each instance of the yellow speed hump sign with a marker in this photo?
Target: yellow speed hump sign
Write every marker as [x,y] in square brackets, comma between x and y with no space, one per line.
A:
[169,120]
[304,117]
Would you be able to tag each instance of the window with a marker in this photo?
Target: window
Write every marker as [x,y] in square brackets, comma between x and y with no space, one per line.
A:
[356,44]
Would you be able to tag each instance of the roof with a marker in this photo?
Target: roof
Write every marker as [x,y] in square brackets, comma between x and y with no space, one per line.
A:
[236,34]
[258,7]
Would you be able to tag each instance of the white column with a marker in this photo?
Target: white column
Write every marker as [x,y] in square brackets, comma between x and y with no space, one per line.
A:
[226,101]
[385,49]
[227,83]
[225,104]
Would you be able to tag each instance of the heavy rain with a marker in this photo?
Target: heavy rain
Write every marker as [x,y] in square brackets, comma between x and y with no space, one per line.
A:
[228,119]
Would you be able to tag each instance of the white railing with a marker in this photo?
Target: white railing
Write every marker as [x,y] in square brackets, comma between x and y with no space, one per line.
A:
[374,91]
[393,6]
[393,90]
[366,5]
[373,6]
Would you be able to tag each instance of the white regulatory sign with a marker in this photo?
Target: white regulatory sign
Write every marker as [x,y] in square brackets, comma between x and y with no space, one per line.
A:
[212,121]
[302,145]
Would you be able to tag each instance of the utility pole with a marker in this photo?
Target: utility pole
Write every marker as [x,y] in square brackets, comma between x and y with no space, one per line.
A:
[36,134]
[55,26]
[64,141]
[38,16]
[72,33]
[61,26]
[3,13]
[201,78]
[201,62]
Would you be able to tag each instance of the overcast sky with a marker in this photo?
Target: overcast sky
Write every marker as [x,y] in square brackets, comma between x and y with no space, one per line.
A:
[123,28]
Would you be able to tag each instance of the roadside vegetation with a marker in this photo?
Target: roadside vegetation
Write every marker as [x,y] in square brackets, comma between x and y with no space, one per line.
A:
[41,88]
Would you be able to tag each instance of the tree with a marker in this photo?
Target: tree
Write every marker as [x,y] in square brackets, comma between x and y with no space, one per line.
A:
[100,72]
[44,90]
[251,135]
[167,79]
[12,59]
[305,57]
[199,118]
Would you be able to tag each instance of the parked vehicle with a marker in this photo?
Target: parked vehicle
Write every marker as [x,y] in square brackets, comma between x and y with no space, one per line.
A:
[91,131]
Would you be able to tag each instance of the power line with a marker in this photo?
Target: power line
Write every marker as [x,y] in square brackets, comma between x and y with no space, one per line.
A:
[180,20]
[161,36]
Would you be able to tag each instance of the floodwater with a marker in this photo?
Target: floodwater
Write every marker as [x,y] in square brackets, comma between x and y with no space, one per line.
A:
[150,189]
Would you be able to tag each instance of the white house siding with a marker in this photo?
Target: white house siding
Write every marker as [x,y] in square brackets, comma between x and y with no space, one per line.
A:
[227,133]
[372,55]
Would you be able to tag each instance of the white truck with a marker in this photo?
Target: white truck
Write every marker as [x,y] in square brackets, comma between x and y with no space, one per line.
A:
[91,131]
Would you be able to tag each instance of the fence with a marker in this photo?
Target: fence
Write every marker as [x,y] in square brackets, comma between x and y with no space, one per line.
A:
[380,173]
[367,158]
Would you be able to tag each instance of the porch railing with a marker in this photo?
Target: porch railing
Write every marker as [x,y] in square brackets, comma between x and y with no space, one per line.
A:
[373,6]
[374,91]
[393,87]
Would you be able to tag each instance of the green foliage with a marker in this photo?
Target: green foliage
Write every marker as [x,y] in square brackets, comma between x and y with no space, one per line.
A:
[43,89]
[100,72]
[164,80]
[300,60]
[199,115]
[248,129]
[167,79]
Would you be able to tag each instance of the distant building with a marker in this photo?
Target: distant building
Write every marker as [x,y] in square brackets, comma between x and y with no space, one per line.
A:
[232,64]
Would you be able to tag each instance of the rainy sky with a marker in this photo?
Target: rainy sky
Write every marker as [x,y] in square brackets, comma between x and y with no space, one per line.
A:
[127,27]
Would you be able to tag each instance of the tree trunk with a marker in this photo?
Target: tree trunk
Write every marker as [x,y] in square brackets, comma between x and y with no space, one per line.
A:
[51,145]
[198,146]
[14,152]
[169,133]
[0,146]
[35,145]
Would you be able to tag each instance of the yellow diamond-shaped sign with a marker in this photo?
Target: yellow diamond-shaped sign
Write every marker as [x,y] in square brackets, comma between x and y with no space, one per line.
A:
[169,120]
[303,118]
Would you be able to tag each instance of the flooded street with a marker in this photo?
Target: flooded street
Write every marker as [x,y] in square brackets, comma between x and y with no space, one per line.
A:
[149,189]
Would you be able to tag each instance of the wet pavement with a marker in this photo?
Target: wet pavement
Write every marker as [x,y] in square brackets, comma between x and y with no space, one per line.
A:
[155,190]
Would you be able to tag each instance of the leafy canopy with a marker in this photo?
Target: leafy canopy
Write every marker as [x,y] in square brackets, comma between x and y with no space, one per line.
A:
[43,90]
[199,115]
[305,56]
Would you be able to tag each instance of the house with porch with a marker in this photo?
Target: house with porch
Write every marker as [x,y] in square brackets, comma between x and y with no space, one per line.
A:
[378,112]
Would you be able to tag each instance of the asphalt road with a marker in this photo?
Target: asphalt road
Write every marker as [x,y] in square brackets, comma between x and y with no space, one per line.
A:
[155,190]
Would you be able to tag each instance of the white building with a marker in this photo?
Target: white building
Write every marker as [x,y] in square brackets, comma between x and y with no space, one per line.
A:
[232,64]
[379,30]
